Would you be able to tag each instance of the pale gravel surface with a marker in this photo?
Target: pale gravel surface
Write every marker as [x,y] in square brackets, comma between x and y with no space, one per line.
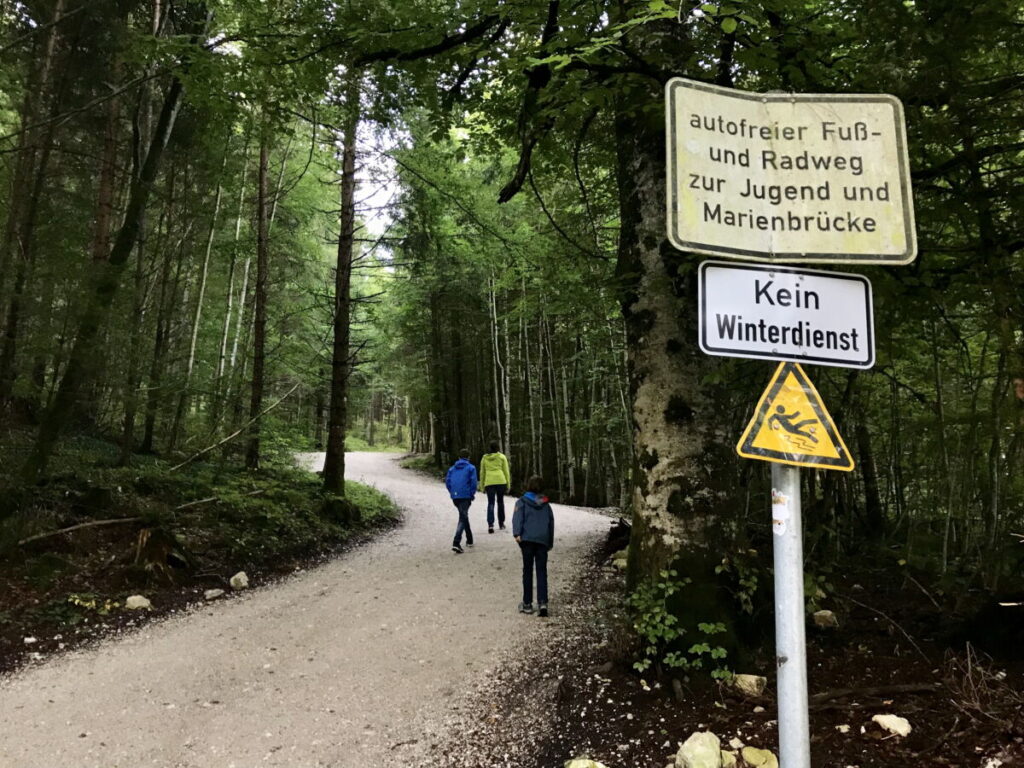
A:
[364,661]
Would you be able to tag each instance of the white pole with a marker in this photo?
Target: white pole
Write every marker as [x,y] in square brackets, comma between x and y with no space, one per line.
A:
[790,645]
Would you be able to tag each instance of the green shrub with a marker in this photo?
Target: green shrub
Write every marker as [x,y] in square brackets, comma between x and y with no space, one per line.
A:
[663,643]
[373,505]
[421,462]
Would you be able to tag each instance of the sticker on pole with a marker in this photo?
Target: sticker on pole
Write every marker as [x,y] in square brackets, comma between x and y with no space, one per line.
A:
[792,426]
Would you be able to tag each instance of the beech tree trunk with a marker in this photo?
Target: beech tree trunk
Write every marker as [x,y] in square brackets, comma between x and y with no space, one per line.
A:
[683,462]
[183,398]
[218,384]
[334,464]
[252,452]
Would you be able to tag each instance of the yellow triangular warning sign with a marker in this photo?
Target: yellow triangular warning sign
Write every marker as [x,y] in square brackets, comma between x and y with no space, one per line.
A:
[792,426]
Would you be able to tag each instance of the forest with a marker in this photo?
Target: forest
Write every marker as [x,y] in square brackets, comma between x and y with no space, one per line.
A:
[234,230]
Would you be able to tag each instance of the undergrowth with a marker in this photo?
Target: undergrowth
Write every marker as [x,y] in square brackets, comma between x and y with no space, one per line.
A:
[420,462]
[152,526]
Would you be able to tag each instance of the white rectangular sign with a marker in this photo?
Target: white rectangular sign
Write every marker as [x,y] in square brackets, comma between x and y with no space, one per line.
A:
[788,177]
[786,313]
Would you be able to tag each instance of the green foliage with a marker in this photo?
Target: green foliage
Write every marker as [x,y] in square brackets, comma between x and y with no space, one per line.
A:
[421,463]
[357,443]
[662,643]
[745,572]
[817,588]
[90,602]
[373,506]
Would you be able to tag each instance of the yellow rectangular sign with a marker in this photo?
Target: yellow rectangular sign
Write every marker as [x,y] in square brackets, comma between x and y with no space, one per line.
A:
[796,178]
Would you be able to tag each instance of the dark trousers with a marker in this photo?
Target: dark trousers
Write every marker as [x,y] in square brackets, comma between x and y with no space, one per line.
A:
[463,506]
[534,554]
[495,493]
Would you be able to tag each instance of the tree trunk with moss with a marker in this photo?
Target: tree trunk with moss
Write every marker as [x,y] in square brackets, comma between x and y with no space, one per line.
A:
[684,463]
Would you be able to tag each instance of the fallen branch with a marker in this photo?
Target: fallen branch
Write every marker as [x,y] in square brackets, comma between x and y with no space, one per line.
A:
[893,622]
[927,594]
[91,524]
[237,432]
[197,502]
[941,742]
[875,691]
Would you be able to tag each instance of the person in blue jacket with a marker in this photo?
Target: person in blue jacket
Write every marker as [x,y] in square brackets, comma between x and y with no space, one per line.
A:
[533,526]
[461,481]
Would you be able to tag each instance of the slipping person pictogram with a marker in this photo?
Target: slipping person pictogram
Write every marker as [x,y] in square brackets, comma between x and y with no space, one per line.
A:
[792,426]
[787,421]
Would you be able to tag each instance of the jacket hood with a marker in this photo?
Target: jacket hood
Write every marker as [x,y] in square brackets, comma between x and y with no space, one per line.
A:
[535,499]
[461,463]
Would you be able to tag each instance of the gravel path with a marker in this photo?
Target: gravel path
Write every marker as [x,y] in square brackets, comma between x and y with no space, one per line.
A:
[359,662]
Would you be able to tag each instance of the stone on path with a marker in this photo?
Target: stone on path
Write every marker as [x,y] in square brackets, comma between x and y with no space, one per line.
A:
[893,723]
[729,759]
[750,685]
[137,602]
[701,750]
[239,581]
[760,758]
[212,594]
[582,762]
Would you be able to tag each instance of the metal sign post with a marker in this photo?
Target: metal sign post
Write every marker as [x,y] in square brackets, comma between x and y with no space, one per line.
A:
[790,644]
[792,428]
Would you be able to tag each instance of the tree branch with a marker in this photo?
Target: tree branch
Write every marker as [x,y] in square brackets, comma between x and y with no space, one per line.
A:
[537,79]
[235,434]
[91,524]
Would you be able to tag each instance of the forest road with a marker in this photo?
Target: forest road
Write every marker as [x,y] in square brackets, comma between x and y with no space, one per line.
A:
[358,662]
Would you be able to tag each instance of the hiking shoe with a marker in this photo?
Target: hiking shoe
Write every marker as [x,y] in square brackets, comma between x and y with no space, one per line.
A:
[542,609]
[501,526]
[490,530]
[469,543]
[457,549]
[526,607]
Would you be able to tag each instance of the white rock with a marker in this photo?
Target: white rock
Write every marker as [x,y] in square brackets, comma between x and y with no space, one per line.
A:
[137,602]
[30,640]
[701,750]
[240,581]
[893,723]
[843,728]
[758,710]
[750,685]
[760,758]
[825,620]
[729,759]
[735,743]
[212,594]
[582,762]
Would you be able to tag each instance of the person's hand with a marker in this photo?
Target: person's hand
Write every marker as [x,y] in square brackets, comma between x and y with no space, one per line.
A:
[519,539]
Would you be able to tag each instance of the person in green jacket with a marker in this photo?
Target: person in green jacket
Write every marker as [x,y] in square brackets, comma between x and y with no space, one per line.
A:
[495,477]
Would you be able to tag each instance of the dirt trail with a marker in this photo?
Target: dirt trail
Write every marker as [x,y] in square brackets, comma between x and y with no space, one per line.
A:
[355,663]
